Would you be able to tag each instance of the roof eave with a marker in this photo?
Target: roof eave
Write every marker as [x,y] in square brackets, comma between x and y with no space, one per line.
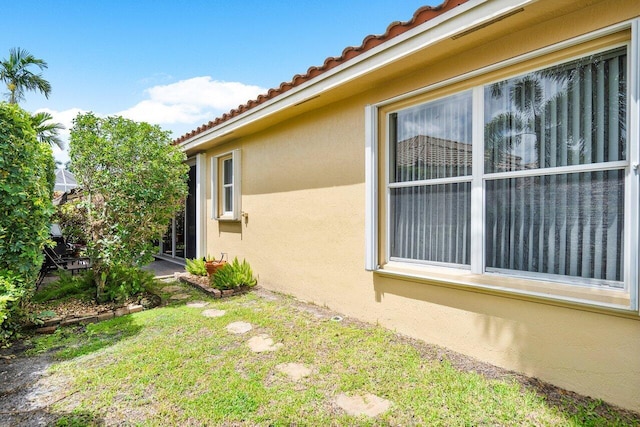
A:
[459,20]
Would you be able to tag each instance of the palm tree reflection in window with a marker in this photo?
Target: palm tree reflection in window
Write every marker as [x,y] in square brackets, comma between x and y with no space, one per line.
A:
[561,116]
[569,223]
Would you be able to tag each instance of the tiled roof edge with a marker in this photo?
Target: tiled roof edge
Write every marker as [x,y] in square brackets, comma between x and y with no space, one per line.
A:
[422,15]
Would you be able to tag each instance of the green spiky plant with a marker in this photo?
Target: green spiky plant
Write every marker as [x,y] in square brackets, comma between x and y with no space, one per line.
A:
[233,275]
[196,267]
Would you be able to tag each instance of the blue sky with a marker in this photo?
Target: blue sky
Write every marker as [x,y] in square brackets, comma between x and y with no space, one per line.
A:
[181,63]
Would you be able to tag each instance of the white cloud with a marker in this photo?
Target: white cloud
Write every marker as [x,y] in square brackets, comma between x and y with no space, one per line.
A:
[179,107]
[191,101]
[155,112]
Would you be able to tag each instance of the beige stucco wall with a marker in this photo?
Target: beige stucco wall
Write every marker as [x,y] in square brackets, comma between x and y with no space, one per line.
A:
[303,193]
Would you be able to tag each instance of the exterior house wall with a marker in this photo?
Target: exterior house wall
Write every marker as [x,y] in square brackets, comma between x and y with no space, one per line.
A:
[303,193]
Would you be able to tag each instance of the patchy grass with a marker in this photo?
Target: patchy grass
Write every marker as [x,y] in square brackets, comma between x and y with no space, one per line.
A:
[173,366]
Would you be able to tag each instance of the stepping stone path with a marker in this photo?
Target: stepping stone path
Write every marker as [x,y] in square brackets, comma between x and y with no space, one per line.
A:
[295,371]
[172,289]
[212,312]
[262,343]
[197,304]
[239,327]
[179,296]
[369,404]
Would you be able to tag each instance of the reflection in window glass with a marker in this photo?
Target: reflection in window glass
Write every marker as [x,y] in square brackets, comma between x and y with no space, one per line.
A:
[227,185]
[566,115]
[432,140]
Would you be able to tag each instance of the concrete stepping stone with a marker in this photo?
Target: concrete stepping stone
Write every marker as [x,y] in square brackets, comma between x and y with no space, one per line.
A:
[262,343]
[212,312]
[239,327]
[197,304]
[295,371]
[179,296]
[368,404]
[172,289]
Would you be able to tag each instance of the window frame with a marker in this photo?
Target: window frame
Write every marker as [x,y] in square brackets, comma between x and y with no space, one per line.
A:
[218,186]
[567,288]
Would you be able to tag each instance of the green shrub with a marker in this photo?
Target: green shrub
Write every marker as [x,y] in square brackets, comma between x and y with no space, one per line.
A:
[233,275]
[123,282]
[12,291]
[196,267]
[26,190]
[79,286]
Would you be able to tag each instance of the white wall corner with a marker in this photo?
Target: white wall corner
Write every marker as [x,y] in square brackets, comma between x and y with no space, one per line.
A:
[201,207]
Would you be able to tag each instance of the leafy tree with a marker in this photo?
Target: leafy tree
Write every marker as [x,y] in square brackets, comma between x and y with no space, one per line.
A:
[26,189]
[46,130]
[134,181]
[15,73]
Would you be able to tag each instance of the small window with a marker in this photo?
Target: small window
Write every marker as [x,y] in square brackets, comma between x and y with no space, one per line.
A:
[226,194]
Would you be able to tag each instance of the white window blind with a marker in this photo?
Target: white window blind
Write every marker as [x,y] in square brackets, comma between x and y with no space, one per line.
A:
[553,176]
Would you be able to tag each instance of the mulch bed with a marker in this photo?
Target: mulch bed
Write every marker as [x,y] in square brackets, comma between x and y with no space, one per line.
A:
[204,284]
[74,311]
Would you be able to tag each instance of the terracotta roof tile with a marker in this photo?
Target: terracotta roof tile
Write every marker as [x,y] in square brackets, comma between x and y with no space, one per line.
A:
[396,28]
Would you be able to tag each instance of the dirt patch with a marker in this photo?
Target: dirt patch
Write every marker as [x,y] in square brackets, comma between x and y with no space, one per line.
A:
[27,389]
[369,405]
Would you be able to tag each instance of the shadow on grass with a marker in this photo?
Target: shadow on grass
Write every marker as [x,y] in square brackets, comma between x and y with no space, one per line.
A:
[49,417]
[70,342]
[582,410]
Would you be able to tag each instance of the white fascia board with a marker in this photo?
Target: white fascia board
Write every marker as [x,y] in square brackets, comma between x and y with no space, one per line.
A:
[455,21]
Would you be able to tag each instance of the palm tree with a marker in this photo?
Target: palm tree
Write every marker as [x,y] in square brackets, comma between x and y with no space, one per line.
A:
[46,129]
[15,74]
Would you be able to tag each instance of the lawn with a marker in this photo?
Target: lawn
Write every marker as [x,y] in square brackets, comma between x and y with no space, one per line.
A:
[174,366]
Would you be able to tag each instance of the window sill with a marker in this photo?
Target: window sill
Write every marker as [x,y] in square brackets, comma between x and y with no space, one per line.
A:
[609,301]
[227,218]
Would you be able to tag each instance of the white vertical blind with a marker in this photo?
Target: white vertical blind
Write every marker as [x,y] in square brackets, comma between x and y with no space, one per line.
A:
[568,224]
[431,220]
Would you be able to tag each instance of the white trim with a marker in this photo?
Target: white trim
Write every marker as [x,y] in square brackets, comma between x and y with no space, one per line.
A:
[473,13]
[438,279]
[633,126]
[477,184]
[387,181]
[237,184]
[371,188]
[201,186]
[560,170]
[434,181]
[214,187]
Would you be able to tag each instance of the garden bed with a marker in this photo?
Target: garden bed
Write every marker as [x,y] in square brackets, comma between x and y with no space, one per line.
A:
[75,311]
[203,283]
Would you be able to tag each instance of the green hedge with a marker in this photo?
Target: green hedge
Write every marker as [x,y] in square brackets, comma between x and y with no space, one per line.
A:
[26,190]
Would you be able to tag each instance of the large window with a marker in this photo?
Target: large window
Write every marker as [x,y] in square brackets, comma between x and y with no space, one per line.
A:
[528,176]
